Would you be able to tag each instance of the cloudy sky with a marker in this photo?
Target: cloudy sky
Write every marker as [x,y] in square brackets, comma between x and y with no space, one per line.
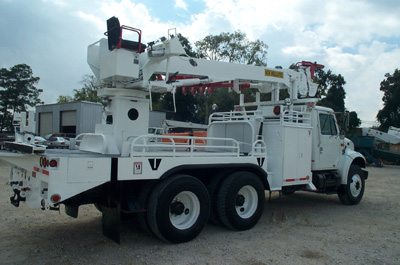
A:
[358,39]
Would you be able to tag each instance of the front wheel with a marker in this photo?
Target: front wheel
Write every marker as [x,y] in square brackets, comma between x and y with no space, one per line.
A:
[241,200]
[178,209]
[353,191]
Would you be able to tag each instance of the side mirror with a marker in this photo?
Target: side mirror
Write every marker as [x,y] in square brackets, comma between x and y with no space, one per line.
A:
[342,134]
[346,118]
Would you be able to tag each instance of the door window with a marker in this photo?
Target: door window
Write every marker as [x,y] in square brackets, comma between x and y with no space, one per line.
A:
[328,124]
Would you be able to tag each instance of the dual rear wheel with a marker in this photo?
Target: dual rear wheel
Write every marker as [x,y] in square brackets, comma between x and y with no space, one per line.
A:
[178,208]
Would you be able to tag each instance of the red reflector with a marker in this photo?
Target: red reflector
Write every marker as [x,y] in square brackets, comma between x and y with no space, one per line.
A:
[55,198]
[290,180]
[53,163]
[277,110]
[45,172]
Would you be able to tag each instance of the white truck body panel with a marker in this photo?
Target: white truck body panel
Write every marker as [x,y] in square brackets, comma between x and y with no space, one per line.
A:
[283,145]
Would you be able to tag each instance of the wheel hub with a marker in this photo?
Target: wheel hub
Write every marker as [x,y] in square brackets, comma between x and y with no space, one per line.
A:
[246,201]
[355,185]
[184,210]
[177,208]
[240,200]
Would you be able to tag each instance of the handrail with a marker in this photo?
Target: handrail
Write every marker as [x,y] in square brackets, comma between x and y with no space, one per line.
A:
[138,31]
[233,115]
[259,147]
[299,118]
[164,145]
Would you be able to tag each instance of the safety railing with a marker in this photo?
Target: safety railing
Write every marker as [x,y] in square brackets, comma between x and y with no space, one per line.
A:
[290,117]
[175,146]
[233,115]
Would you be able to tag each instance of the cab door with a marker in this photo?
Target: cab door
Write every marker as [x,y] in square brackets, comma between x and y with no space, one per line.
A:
[329,148]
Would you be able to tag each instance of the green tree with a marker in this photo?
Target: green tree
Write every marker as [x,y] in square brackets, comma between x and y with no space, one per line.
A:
[87,93]
[187,46]
[389,115]
[332,94]
[331,90]
[64,99]
[17,92]
[232,47]
[186,106]
[354,121]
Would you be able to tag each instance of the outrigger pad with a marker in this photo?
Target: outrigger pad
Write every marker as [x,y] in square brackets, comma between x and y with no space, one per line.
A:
[112,222]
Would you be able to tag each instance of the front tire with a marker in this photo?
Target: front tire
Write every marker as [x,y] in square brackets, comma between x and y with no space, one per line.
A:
[178,209]
[241,200]
[353,191]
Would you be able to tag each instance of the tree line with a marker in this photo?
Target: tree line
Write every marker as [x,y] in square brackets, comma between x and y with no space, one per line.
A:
[18,89]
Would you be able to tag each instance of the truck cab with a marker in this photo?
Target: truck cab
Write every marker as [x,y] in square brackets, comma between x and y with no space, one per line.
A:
[327,144]
[336,167]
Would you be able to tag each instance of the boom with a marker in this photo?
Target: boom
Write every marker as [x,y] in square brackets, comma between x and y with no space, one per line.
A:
[134,70]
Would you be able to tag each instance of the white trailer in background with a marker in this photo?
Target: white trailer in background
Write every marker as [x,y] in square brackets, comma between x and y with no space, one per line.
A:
[176,184]
[392,136]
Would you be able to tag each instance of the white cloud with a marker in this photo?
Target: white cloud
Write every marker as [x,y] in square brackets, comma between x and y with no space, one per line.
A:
[180,4]
[90,18]
[363,94]
[60,3]
[353,22]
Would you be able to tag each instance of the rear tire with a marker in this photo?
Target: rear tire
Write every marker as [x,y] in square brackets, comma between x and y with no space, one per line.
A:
[213,189]
[178,209]
[353,191]
[143,198]
[241,200]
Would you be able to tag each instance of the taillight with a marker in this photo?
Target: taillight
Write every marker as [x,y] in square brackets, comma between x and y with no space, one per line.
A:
[53,163]
[55,198]
[277,110]
[46,162]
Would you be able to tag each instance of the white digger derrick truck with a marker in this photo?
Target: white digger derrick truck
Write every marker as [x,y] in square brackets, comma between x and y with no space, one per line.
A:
[176,184]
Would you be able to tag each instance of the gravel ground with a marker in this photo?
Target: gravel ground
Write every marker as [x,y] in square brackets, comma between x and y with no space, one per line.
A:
[302,228]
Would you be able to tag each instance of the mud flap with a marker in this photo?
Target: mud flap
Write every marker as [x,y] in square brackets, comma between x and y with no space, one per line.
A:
[72,210]
[111,220]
